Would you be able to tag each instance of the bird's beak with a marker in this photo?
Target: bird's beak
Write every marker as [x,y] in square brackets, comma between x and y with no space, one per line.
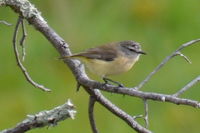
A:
[141,52]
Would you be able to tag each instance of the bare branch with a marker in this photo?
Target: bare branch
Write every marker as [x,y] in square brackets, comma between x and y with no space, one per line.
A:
[146,113]
[138,116]
[177,52]
[24,35]
[26,74]
[91,114]
[117,111]
[185,57]
[140,94]
[44,118]
[4,22]
[188,86]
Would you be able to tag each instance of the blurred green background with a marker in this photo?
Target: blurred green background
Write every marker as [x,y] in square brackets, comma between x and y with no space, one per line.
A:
[159,25]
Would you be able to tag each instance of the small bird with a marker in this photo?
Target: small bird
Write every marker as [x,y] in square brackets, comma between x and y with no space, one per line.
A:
[110,59]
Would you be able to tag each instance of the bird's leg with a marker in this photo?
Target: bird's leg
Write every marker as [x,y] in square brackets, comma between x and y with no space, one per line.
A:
[78,85]
[106,80]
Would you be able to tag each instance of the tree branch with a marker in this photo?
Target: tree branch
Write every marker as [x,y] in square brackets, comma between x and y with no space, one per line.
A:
[175,53]
[23,69]
[117,111]
[188,86]
[4,22]
[24,35]
[91,114]
[146,113]
[136,93]
[44,118]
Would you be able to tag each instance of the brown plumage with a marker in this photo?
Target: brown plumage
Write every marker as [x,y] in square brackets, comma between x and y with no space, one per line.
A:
[109,53]
[110,59]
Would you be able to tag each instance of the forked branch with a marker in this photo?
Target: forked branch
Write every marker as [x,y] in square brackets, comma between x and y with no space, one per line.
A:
[175,53]
[26,74]
[117,111]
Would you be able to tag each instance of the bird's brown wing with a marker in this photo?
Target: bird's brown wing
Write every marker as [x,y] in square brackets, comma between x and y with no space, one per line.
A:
[105,52]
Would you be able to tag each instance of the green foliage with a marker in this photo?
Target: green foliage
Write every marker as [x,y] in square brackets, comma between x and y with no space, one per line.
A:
[160,25]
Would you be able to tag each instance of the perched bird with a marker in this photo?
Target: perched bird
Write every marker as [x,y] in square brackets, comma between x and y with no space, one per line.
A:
[110,59]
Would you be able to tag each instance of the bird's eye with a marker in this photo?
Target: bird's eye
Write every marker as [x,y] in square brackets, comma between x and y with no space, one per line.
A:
[135,46]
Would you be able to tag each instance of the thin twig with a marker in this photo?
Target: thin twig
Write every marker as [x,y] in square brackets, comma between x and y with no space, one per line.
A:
[177,52]
[185,57]
[138,116]
[26,74]
[145,117]
[189,85]
[146,113]
[91,114]
[44,118]
[5,22]
[24,35]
